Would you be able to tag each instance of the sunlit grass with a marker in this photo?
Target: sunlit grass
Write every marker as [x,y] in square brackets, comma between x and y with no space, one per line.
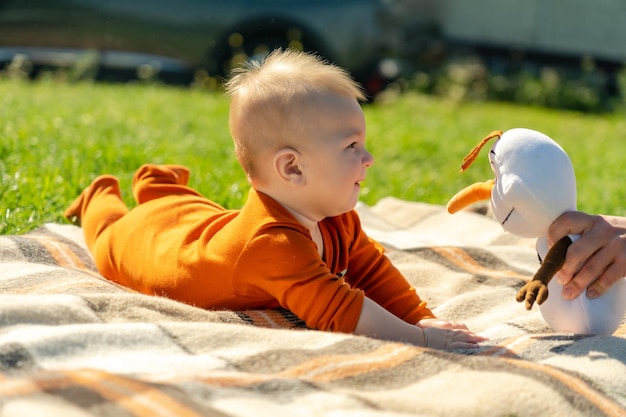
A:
[420,142]
[56,137]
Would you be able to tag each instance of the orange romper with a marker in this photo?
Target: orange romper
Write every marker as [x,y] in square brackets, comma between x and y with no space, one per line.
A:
[178,244]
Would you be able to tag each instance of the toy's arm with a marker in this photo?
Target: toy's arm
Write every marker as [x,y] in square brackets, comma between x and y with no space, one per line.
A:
[537,288]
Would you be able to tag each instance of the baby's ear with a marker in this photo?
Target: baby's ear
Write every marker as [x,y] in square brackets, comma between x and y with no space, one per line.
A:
[286,166]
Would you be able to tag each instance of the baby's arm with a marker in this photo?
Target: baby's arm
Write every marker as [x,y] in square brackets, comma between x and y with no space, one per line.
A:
[442,324]
[379,323]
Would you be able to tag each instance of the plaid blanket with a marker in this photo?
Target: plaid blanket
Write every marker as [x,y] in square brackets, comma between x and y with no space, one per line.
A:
[74,344]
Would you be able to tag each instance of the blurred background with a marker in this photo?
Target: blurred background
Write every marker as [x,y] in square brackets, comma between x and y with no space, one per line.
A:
[555,53]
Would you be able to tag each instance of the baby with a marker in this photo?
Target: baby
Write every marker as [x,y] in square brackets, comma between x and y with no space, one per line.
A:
[297,243]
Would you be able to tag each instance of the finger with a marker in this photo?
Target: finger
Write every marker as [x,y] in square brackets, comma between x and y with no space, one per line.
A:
[462,345]
[613,255]
[571,290]
[610,276]
[590,272]
[467,336]
[578,255]
[569,223]
[566,274]
[593,231]
[562,278]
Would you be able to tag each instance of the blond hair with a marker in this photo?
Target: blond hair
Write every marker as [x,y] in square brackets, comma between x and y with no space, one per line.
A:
[266,98]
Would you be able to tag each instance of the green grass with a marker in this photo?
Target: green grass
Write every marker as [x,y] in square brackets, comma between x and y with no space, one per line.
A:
[56,137]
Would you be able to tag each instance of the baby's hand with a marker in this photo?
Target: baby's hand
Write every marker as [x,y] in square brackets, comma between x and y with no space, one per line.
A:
[439,334]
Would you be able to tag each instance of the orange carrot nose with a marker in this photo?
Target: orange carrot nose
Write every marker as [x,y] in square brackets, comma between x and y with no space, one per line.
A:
[471,194]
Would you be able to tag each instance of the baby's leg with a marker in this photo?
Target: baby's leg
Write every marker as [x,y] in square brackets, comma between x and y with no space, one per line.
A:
[97,207]
[155,181]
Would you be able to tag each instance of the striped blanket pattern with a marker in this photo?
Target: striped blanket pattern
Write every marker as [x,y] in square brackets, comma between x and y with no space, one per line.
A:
[74,344]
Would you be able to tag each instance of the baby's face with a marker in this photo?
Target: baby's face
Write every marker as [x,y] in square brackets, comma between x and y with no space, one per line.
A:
[334,159]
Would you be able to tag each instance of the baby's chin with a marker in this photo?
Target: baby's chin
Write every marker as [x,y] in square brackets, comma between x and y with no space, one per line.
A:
[348,207]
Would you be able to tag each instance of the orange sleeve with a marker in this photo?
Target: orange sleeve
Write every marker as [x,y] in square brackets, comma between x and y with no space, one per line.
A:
[283,262]
[374,273]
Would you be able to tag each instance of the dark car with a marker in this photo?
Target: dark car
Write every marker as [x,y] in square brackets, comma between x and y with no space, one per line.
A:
[184,36]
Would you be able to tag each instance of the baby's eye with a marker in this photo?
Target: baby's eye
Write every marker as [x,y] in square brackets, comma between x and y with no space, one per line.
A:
[352,145]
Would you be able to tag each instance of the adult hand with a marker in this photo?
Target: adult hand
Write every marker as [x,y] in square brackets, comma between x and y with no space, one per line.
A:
[597,259]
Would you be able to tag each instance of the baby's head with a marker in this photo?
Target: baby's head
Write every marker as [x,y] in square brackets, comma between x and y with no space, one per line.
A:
[272,101]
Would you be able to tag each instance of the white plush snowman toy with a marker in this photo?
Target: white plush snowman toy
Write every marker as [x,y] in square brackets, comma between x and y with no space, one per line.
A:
[534,184]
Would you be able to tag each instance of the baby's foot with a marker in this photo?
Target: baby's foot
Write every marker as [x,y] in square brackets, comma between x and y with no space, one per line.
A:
[75,211]
[182,173]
